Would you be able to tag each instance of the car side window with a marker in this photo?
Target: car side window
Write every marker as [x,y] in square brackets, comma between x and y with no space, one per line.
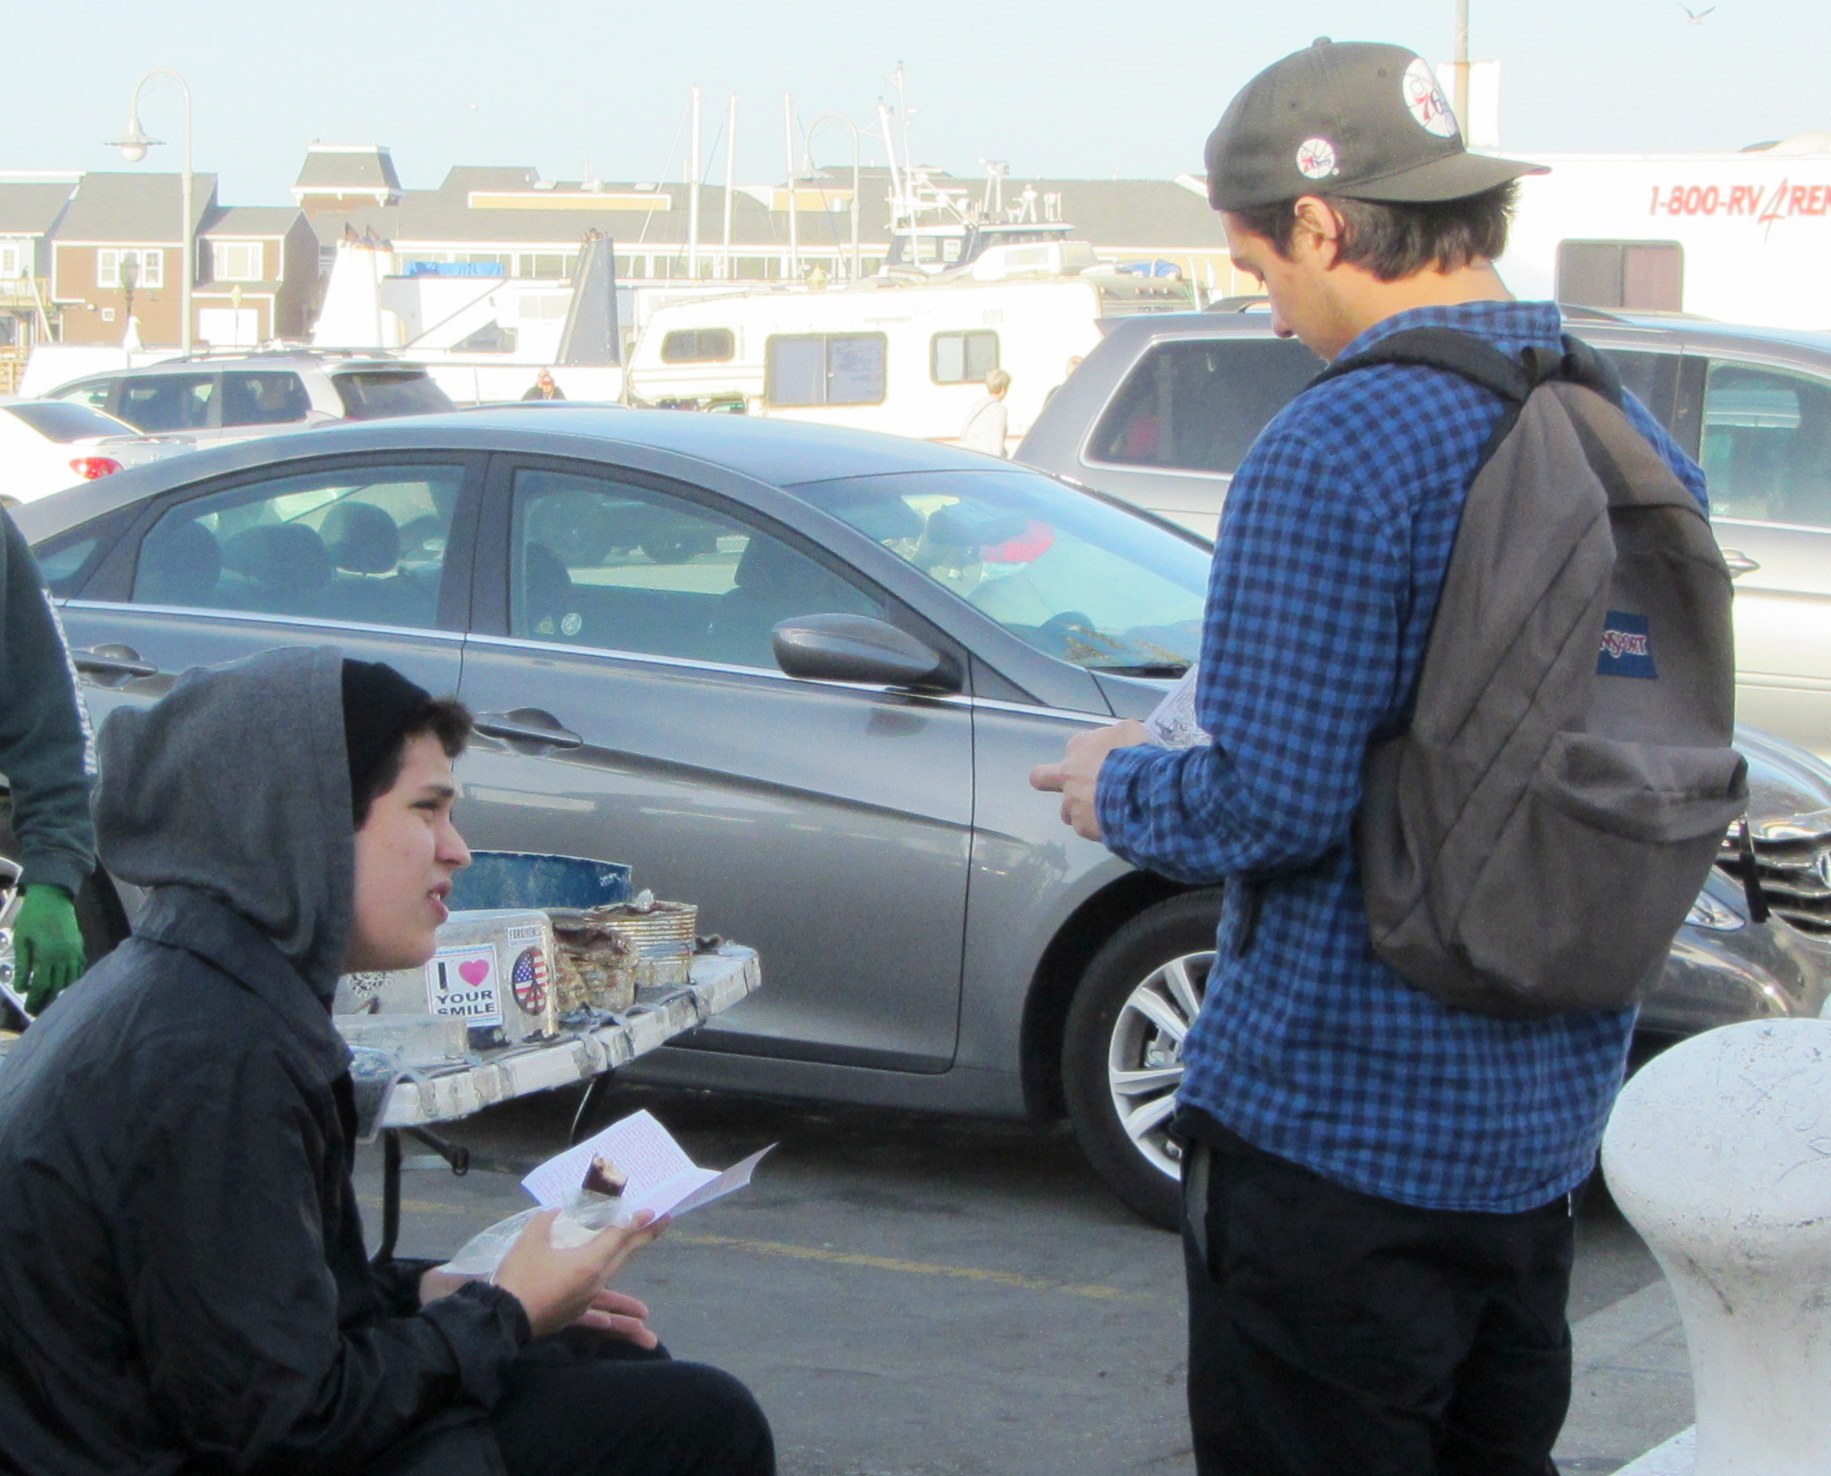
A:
[1198,404]
[599,562]
[333,544]
[263,397]
[167,402]
[91,392]
[1766,445]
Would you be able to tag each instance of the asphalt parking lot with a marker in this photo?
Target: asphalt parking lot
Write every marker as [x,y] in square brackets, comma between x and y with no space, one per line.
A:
[912,1295]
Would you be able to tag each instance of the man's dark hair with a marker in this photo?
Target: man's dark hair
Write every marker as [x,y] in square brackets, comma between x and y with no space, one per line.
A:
[1393,241]
[446,718]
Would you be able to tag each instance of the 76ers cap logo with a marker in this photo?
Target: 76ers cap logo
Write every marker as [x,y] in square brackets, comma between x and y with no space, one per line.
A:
[1316,159]
[1425,102]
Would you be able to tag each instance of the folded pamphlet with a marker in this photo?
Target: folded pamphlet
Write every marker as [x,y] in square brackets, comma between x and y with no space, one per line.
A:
[1172,722]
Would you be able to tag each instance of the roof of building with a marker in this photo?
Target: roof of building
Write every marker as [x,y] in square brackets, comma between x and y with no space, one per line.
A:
[31,207]
[346,168]
[252,220]
[138,208]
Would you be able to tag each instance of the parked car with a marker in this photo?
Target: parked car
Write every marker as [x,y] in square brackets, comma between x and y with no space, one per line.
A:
[818,726]
[1164,408]
[46,446]
[234,397]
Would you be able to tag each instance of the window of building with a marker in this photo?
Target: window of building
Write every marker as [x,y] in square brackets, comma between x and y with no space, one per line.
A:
[13,258]
[1622,274]
[236,261]
[698,346]
[108,267]
[962,358]
[825,369]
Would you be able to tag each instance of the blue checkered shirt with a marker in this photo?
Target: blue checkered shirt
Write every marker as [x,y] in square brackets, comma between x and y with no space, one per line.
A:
[1331,556]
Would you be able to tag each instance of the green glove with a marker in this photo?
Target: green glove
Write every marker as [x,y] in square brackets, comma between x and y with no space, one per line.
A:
[47,946]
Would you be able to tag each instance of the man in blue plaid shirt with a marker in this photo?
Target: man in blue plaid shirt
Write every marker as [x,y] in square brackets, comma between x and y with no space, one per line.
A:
[1376,1187]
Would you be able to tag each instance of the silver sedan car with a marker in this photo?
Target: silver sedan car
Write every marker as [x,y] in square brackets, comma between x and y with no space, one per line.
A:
[794,674]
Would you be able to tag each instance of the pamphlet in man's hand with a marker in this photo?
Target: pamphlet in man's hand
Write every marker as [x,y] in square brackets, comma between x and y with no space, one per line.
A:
[1172,722]
[657,1176]
[660,1176]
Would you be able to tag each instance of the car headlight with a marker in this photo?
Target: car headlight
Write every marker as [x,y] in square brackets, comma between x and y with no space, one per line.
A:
[1718,917]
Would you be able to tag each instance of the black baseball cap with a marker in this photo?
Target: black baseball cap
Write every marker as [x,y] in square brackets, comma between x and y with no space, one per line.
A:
[1358,119]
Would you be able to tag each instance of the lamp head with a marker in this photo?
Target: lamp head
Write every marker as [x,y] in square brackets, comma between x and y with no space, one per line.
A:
[134,143]
[130,272]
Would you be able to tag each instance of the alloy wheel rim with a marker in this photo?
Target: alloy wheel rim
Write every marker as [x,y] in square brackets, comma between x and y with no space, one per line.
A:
[1144,1064]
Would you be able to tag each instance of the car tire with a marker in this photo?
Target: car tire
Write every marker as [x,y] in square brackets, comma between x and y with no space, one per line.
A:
[1122,1050]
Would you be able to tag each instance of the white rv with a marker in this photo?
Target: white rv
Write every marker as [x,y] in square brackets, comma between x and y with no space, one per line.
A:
[887,353]
[1743,237]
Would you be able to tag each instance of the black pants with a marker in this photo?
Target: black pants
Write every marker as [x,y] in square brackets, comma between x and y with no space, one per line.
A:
[586,1405]
[1331,1332]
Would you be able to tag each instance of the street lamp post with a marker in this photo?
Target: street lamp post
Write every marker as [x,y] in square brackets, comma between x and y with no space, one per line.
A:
[130,279]
[808,163]
[133,148]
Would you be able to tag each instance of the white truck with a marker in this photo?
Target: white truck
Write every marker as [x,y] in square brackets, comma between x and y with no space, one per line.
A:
[1740,237]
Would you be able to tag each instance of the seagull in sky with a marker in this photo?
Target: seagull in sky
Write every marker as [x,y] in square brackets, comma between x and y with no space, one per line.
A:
[1696,17]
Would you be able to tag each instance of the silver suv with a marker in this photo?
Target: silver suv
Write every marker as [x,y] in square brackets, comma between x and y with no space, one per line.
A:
[216,398]
[1165,407]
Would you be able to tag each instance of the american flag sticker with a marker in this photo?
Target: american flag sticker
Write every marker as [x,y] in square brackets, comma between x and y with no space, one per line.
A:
[528,979]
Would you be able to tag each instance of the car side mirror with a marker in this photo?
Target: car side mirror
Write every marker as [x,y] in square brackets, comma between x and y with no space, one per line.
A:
[859,648]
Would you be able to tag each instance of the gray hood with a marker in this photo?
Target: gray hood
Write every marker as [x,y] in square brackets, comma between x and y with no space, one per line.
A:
[236,784]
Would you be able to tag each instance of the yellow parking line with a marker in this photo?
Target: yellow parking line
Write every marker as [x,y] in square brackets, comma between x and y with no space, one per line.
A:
[891,1263]
[790,1252]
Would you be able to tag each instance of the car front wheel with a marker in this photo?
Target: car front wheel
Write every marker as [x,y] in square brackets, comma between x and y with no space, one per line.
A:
[1122,1053]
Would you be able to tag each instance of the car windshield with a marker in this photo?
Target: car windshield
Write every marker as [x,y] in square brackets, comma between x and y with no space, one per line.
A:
[378,394]
[1062,570]
[63,422]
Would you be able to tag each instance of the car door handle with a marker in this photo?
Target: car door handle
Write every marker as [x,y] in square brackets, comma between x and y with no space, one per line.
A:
[528,725]
[1739,563]
[115,661]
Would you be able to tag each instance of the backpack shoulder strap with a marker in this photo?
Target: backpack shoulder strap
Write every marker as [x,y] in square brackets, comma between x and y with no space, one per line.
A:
[1477,360]
[1446,349]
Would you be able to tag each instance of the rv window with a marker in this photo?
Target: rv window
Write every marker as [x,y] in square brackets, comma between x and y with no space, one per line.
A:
[825,369]
[1622,274]
[698,346]
[962,358]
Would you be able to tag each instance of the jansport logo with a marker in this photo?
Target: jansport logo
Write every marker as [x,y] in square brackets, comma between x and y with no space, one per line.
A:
[1627,646]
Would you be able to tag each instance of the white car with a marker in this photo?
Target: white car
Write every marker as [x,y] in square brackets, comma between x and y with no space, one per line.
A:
[47,445]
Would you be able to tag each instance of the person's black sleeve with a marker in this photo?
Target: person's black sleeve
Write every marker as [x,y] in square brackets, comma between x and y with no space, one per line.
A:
[235,1306]
[45,748]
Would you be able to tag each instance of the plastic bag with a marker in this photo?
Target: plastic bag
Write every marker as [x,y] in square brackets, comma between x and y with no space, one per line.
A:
[584,1215]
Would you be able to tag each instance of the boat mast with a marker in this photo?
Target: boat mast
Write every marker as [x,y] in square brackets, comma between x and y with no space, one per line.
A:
[693,195]
[788,137]
[730,178]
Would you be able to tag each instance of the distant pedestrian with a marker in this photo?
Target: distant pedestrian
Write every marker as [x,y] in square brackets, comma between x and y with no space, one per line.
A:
[1376,1216]
[985,427]
[544,388]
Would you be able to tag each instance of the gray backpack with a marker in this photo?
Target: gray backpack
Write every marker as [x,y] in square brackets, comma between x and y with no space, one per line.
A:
[1531,843]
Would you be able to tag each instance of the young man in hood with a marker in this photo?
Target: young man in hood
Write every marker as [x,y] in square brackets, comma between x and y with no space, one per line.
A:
[183,1280]
[1376,1186]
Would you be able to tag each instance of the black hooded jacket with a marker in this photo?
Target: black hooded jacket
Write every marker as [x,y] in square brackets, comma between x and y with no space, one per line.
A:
[183,1282]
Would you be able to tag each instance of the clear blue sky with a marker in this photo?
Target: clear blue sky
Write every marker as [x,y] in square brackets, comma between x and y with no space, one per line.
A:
[1065,88]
